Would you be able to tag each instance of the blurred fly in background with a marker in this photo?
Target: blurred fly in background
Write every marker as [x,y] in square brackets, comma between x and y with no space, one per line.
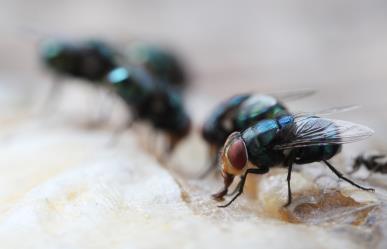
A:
[150,84]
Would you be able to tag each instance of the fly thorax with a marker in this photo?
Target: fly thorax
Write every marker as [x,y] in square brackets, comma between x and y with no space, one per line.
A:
[263,100]
[284,121]
[259,140]
[257,108]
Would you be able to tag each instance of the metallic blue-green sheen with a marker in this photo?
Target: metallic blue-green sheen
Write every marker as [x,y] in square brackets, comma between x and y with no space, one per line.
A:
[213,129]
[163,64]
[285,120]
[258,139]
[264,135]
[264,107]
[133,85]
[118,75]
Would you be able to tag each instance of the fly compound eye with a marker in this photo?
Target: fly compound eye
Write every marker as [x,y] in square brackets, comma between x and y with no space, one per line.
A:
[237,154]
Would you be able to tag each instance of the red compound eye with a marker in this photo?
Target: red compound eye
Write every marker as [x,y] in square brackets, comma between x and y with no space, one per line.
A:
[237,154]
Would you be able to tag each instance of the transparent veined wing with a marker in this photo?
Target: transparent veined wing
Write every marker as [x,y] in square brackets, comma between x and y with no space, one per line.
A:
[328,111]
[270,99]
[287,96]
[312,130]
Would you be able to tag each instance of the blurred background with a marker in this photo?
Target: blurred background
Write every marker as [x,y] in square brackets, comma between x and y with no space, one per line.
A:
[338,48]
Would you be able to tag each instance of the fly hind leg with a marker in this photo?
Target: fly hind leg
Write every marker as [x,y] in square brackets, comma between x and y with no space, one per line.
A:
[214,161]
[117,133]
[341,176]
[289,164]
[290,167]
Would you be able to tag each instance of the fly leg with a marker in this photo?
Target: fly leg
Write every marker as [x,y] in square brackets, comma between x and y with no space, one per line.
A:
[116,135]
[359,160]
[340,175]
[289,164]
[236,188]
[214,159]
[210,168]
[241,184]
[173,140]
[105,103]
[290,167]
[227,181]
[49,102]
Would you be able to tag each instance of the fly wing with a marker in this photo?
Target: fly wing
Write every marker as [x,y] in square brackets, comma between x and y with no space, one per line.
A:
[328,111]
[311,130]
[287,96]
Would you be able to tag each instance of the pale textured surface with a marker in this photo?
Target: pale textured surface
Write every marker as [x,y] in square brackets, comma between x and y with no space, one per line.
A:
[66,186]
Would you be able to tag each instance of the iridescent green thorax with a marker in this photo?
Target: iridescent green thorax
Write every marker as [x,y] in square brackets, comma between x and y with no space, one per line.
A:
[258,139]
[239,113]
[257,108]
[160,62]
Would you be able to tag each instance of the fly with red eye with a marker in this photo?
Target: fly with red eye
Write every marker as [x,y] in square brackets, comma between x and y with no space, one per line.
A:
[237,154]
[239,113]
[286,141]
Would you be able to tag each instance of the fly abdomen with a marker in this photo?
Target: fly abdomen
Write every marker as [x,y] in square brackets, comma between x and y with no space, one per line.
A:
[316,153]
[90,60]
